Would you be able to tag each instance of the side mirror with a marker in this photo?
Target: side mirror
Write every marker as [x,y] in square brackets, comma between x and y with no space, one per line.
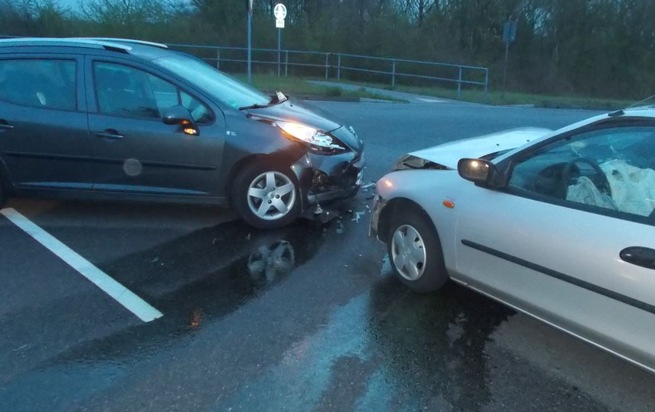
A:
[178,115]
[480,172]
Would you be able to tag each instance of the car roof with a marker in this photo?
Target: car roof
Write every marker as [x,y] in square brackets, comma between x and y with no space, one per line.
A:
[126,46]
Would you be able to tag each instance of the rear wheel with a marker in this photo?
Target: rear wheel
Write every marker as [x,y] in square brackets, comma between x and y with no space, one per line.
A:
[266,196]
[415,252]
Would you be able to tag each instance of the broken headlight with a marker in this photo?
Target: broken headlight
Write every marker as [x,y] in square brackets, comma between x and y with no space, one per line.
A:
[314,137]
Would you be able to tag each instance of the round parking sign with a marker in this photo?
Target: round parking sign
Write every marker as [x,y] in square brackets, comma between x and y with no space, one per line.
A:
[280,11]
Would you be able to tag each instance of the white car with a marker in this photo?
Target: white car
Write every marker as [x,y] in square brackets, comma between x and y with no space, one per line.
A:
[561,228]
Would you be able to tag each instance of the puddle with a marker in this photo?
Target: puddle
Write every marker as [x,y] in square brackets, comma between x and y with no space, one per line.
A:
[202,277]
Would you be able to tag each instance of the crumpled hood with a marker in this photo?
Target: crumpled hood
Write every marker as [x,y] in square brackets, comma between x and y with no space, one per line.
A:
[301,112]
[293,111]
[448,154]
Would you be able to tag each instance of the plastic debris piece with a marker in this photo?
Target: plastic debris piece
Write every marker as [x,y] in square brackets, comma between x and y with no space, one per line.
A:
[25,346]
[357,215]
[326,215]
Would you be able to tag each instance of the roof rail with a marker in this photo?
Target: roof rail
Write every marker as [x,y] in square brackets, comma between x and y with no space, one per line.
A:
[66,41]
[117,44]
[120,40]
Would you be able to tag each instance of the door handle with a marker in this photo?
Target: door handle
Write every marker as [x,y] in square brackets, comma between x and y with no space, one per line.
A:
[640,256]
[5,125]
[110,134]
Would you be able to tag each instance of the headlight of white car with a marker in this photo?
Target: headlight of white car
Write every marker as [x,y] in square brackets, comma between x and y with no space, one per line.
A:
[307,134]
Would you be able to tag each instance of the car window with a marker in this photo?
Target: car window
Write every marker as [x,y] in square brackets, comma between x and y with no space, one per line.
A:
[43,83]
[610,170]
[127,91]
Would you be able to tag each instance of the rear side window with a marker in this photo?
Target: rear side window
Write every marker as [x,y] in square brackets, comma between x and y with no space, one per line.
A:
[42,83]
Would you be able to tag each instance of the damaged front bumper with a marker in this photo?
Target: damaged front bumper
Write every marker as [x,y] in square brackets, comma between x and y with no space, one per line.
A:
[376,211]
[324,179]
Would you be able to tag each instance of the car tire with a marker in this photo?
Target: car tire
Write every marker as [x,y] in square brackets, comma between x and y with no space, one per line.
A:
[266,196]
[415,252]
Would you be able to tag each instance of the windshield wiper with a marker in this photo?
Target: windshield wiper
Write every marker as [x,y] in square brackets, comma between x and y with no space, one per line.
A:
[255,106]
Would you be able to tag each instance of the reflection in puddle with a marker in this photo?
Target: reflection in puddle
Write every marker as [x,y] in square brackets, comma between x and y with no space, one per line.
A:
[215,270]
[271,261]
[201,277]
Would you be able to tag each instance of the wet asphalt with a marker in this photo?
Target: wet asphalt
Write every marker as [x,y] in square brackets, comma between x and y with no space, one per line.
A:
[303,318]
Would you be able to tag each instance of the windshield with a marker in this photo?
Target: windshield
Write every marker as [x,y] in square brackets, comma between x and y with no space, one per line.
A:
[221,86]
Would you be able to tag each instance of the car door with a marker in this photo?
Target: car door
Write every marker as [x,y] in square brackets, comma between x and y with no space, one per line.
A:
[134,151]
[571,239]
[44,139]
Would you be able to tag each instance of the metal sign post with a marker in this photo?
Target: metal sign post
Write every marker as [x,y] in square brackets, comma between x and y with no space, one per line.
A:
[249,11]
[509,36]
[280,13]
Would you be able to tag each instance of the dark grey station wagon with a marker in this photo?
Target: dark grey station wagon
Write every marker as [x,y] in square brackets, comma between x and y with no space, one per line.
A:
[125,119]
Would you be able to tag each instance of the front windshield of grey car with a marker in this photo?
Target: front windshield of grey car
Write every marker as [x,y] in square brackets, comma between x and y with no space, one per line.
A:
[223,87]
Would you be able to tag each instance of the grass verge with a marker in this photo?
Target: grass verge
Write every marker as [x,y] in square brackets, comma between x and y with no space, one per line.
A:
[512,98]
[298,87]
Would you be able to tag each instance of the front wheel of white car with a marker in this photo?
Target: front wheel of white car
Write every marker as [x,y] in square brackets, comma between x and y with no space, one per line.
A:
[415,252]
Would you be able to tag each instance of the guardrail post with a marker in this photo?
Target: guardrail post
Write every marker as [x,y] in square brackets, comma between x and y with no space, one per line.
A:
[327,65]
[486,80]
[459,81]
[393,74]
[286,63]
[218,58]
[279,60]
[338,67]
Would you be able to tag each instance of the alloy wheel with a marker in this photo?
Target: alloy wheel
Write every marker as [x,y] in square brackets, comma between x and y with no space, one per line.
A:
[271,195]
[408,252]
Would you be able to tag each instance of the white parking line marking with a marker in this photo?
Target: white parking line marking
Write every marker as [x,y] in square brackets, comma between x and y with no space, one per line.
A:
[120,293]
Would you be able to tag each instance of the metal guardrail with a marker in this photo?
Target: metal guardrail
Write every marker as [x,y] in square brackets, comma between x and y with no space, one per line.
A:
[341,65]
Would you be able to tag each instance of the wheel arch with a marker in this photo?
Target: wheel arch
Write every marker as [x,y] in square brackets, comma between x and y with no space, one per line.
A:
[395,206]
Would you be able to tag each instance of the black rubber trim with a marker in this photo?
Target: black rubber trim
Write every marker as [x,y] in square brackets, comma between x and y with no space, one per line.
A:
[561,276]
[106,161]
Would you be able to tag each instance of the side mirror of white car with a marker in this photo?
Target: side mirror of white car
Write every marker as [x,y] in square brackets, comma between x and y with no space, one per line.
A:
[480,172]
[475,170]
